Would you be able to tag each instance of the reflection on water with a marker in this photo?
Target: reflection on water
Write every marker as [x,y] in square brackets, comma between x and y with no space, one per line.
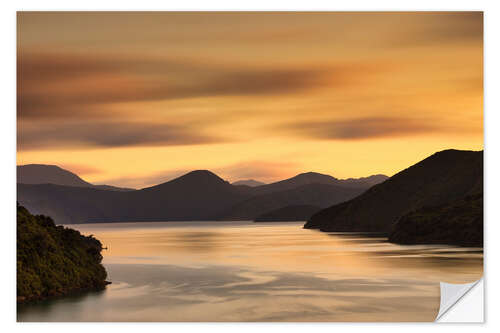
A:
[241,271]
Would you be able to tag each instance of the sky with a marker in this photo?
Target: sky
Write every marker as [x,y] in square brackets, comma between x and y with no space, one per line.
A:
[138,98]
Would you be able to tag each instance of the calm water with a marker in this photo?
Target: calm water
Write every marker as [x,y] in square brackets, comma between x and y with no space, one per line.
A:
[243,271]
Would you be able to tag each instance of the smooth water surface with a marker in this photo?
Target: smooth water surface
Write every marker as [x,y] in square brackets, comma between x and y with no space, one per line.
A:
[244,271]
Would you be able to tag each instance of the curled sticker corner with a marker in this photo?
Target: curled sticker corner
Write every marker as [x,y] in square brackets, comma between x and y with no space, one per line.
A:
[451,294]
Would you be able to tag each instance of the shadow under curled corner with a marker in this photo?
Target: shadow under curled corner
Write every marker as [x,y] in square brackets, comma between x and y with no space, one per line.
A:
[461,302]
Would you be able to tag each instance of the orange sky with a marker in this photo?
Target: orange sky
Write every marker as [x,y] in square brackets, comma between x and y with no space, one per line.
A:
[134,99]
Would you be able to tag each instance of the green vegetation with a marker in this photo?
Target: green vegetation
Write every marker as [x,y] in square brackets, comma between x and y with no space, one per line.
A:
[54,260]
[456,223]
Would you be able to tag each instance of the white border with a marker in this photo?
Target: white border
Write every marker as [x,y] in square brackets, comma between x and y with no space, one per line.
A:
[8,133]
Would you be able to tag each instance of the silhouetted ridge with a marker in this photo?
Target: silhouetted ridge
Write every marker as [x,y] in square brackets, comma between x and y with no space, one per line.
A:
[321,195]
[53,174]
[48,174]
[197,195]
[370,180]
[299,180]
[310,178]
[248,182]
[442,177]
[194,178]
[204,176]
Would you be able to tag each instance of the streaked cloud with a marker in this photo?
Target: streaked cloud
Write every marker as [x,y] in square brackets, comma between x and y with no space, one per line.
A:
[360,128]
[148,96]
[67,135]
[68,85]
[438,27]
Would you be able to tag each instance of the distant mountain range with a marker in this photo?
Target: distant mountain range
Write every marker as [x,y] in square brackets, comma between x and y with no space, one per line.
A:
[198,195]
[444,180]
[269,199]
[437,200]
[52,174]
[249,182]
[309,178]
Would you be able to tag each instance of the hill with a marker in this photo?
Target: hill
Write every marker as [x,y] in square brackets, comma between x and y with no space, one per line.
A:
[52,174]
[296,181]
[113,188]
[70,204]
[198,195]
[48,174]
[321,195]
[53,260]
[364,181]
[439,179]
[249,182]
[308,178]
[289,213]
[456,223]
